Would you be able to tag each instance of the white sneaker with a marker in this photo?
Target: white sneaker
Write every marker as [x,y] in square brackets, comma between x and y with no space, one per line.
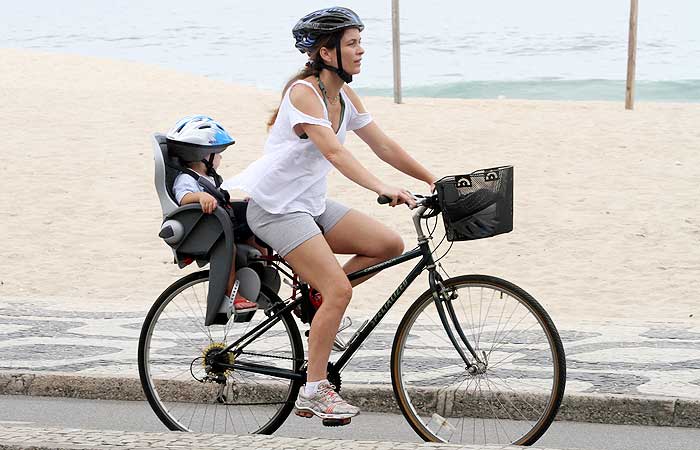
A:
[325,403]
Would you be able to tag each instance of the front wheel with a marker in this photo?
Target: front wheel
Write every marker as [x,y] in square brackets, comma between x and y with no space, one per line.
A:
[509,395]
[190,394]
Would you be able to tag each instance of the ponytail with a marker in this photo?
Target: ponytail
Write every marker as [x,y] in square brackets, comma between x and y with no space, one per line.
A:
[312,68]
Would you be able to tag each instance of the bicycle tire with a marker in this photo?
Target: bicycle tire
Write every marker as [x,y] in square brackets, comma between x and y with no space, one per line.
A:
[172,343]
[439,412]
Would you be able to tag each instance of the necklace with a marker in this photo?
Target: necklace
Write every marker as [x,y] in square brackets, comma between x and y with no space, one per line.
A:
[322,87]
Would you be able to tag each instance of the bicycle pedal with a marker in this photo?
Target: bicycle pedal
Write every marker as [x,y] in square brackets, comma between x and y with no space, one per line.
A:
[336,422]
[304,414]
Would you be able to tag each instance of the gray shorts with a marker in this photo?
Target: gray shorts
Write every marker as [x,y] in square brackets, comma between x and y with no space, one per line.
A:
[285,232]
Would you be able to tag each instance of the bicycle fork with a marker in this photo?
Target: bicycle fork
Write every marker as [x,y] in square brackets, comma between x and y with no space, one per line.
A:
[443,304]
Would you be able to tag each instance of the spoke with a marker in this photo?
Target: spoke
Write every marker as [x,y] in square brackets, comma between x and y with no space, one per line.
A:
[426,353]
[538,388]
[504,359]
[466,319]
[524,400]
[502,338]
[483,324]
[194,322]
[495,418]
[503,407]
[204,416]
[435,324]
[527,314]
[174,376]
[189,425]
[498,325]
[198,302]
[245,424]
[229,417]
[192,290]
[471,312]
[213,422]
[483,422]
[183,336]
[519,333]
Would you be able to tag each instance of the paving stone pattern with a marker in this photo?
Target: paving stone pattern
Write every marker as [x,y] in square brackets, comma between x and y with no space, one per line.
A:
[655,360]
[54,438]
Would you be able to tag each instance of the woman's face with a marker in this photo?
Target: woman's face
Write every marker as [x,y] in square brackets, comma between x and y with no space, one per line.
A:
[351,52]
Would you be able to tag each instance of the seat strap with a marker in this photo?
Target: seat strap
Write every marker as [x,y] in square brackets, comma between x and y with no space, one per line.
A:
[217,192]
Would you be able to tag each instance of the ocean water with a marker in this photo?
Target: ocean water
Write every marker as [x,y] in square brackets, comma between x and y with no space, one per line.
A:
[541,49]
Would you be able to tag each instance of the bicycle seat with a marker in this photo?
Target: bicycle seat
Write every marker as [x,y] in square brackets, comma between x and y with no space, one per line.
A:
[195,236]
[164,175]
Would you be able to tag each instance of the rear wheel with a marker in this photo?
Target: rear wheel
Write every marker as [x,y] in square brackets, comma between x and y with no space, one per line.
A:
[188,394]
[511,397]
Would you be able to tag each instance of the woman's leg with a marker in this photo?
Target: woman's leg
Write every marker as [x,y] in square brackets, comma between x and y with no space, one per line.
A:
[315,263]
[368,239]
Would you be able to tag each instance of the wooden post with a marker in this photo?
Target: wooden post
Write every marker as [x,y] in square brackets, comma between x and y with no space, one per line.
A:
[631,56]
[397,49]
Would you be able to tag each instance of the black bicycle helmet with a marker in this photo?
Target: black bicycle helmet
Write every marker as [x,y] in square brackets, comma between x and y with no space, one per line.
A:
[322,22]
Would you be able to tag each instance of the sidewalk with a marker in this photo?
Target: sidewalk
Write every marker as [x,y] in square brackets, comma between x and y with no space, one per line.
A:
[641,373]
[58,439]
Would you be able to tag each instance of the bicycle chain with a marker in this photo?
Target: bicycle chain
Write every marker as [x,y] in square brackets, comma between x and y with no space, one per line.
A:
[270,356]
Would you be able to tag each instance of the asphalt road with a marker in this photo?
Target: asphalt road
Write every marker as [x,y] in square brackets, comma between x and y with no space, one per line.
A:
[137,416]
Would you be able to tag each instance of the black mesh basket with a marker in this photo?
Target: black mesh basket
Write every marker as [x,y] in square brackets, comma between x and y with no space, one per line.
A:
[478,205]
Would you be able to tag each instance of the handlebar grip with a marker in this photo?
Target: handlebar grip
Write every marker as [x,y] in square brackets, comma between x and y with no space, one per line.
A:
[383,199]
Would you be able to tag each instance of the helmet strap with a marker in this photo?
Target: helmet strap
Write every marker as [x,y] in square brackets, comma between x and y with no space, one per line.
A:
[341,73]
[339,70]
[209,163]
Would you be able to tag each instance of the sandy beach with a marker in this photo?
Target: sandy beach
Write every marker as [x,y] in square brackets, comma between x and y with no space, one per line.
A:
[607,216]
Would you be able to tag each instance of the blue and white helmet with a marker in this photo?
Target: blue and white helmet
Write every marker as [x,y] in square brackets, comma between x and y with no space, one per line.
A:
[194,138]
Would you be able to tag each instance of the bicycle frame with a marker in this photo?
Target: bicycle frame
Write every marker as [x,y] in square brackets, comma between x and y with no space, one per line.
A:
[442,303]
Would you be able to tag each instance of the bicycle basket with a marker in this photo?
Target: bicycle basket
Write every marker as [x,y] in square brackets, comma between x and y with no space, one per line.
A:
[478,205]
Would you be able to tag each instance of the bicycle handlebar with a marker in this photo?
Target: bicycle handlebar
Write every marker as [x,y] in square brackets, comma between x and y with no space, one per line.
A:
[418,198]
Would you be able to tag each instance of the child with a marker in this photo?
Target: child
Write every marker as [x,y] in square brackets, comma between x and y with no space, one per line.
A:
[198,142]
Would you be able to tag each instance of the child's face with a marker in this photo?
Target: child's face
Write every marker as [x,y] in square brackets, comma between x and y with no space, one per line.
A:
[217,160]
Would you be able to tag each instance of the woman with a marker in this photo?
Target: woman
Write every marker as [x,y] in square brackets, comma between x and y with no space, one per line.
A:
[287,186]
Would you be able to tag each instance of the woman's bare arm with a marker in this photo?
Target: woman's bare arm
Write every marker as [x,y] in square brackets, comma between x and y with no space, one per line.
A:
[387,149]
[343,160]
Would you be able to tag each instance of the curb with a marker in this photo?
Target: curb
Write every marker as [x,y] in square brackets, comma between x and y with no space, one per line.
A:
[609,409]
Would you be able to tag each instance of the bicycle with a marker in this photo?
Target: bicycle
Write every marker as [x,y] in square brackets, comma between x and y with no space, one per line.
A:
[475,359]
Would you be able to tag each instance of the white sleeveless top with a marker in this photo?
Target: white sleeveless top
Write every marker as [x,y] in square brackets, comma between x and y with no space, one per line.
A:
[291,175]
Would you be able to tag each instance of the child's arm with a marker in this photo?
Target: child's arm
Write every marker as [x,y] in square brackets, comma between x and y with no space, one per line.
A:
[207,202]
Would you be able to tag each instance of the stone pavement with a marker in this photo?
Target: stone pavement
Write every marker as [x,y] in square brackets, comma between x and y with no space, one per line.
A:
[640,373]
[54,438]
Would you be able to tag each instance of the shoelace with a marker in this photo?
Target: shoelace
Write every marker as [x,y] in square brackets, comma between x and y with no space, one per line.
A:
[330,394]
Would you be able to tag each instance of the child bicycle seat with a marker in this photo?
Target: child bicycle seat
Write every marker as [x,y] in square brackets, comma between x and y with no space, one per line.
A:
[204,238]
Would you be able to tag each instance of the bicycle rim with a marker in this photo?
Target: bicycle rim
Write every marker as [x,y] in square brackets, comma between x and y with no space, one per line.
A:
[512,399]
[183,392]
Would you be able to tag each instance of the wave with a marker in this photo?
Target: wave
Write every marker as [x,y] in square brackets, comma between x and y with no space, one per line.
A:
[552,89]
